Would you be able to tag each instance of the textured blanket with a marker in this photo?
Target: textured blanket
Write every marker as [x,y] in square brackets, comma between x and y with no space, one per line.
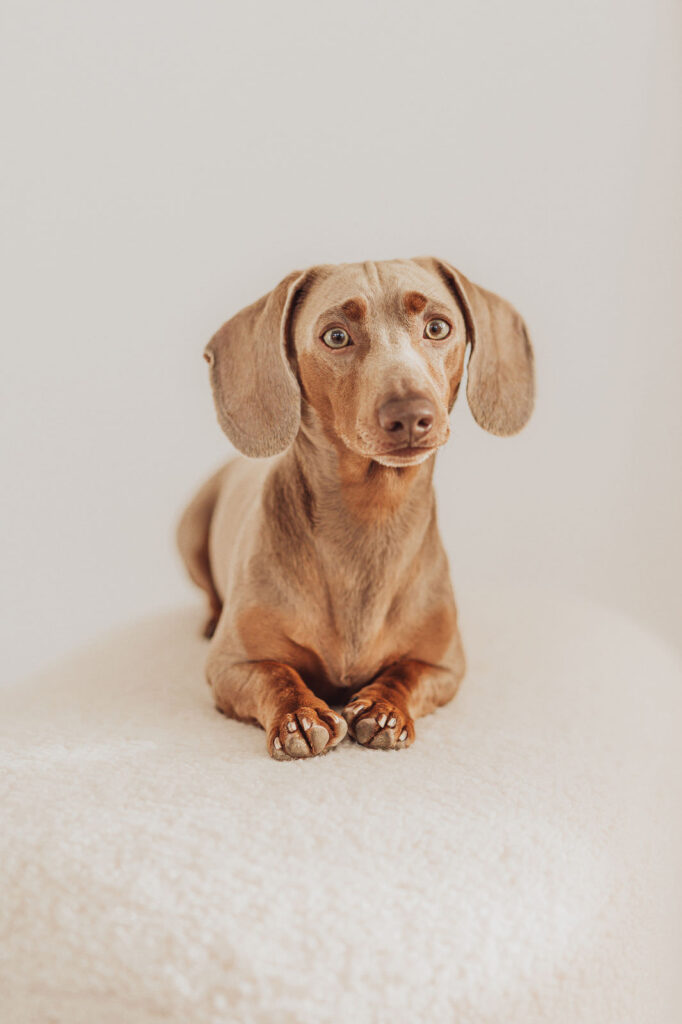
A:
[520,863]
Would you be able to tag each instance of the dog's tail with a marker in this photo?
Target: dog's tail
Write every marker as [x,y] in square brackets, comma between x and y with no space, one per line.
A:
[193,541]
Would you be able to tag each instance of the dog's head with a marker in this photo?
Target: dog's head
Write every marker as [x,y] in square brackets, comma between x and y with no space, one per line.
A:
[373,354]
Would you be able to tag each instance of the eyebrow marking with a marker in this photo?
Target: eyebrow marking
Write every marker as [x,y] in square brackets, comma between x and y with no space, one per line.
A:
[355,309]
[414,302]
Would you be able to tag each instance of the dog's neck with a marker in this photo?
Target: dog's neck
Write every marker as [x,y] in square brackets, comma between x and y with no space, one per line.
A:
[350,493]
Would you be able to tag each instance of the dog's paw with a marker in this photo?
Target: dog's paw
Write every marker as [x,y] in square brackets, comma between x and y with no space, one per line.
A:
[378,724]
[305,733]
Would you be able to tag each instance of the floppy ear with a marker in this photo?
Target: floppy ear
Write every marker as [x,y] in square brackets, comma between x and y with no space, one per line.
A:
[501,379]
[256,394]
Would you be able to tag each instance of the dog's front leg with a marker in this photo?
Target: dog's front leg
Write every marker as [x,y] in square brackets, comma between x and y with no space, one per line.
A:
[381,714]
[272,694]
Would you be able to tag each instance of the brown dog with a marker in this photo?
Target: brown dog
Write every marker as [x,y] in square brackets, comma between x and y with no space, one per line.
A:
[324,569]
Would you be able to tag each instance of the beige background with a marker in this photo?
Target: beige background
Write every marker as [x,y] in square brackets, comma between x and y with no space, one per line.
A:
[164,164]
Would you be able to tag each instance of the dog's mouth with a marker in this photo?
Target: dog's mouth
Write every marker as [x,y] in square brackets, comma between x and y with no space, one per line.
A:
[412,455]
[416,449]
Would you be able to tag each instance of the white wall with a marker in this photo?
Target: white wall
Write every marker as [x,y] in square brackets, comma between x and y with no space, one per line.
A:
[165,164]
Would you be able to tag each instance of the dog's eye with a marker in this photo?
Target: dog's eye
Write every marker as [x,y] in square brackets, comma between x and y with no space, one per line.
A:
[437,329]
[336,337]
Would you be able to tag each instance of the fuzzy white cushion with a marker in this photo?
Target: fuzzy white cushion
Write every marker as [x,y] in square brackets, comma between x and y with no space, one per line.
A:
[519,864]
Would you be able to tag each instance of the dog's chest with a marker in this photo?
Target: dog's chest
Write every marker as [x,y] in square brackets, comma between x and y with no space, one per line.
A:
[335,598]
[356,623]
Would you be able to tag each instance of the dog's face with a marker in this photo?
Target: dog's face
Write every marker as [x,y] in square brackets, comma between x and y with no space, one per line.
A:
[373,355]
[380,349]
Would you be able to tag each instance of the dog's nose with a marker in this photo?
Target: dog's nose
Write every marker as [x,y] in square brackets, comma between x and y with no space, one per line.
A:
[407,420]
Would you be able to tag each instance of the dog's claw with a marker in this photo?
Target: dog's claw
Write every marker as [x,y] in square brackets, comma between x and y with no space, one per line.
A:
[277,752]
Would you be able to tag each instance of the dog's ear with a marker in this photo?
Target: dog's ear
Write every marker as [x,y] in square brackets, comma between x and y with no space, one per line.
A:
[256,394]
[501,378]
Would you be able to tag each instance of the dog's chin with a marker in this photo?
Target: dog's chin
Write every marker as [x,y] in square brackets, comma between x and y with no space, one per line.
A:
[405,457]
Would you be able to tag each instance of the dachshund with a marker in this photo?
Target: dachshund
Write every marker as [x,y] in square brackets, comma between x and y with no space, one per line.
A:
[327,582]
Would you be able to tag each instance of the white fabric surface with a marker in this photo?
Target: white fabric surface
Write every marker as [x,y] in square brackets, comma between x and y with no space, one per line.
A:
[520,863]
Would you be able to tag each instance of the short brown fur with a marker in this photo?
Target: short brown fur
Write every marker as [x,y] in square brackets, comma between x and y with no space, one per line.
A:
[355,309]
[414,302]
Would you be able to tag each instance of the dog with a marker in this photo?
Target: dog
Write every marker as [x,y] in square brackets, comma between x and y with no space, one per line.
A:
[327,582]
